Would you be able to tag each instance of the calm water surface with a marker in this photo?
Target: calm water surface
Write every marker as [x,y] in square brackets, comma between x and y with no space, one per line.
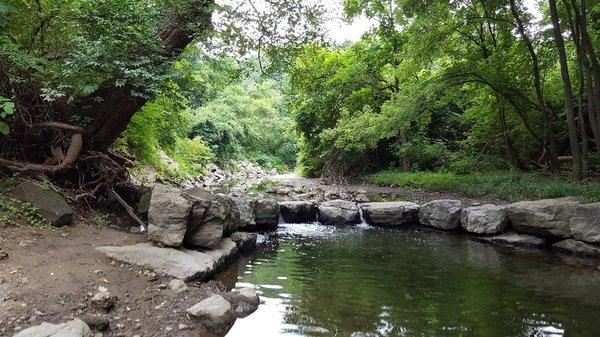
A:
[362,281]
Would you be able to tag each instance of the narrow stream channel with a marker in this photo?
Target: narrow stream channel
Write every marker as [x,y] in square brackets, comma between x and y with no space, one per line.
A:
[362,281]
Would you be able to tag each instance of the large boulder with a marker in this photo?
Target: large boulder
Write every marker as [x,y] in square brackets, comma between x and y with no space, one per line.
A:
[485,219]
[549,217]
[244,301]
[74,328]
[298,211]
[266,213]
[516,239]
[338,213]
[49,204]
[575,247]
[211,217]
[214,314]
[246,209]
[585,224]
[168,215]
[390,213]
[442,214]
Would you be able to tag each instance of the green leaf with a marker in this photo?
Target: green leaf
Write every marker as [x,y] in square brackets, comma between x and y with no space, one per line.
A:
[9,108]
[4,128]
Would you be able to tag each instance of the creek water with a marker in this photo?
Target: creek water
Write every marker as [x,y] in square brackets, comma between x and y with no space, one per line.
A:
[356,281]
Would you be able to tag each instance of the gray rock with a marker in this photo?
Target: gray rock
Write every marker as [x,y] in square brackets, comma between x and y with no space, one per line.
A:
[211,217]
[3,254]
[246,209]
[549,217]
[168,215]
[74,328]
[214,314]
[244,301]
[442,214]
[390,213]
[575,247]
[585,224]
[338,213]
[298,211]
[96,322]
[246,242]
[516,239]
[178,286]
[143,206]
[485,219]
[181,263]
[103,300]
[50,205]
[266,213]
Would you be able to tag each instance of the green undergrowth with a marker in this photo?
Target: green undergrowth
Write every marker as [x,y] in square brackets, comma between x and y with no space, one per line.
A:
[511,186]
[15,212]
[262,187]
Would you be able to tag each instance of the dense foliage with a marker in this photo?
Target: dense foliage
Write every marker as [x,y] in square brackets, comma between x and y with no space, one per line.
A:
[453,85]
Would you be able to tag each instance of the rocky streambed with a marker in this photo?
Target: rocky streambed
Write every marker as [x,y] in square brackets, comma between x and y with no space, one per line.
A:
[194,234]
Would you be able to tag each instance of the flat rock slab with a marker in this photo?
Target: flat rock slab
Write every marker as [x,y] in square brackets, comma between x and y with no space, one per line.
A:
[75,328]
[516,239]
[339,213]
[485,219]
[585,224]
[390,213]
[179,263]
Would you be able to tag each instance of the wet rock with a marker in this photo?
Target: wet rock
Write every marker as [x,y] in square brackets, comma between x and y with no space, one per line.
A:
[178,286]
[246,209]
[103,300]
[585,224]
[442,214]
[96,322]
[338,213]
[390,213]
[214,314]
[549,217]
[485,219]
[181,263]
[50,205]
[266,213]
[298,211]
[575,247]
[244,302]
[246,242]
[168,215]
[516,239]
[74,328]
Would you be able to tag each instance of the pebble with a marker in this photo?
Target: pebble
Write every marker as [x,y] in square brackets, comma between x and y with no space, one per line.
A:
[168,329]
[103,300]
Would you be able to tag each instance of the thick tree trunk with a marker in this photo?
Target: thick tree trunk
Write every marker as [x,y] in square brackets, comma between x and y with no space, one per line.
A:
[568,91]
[547,119]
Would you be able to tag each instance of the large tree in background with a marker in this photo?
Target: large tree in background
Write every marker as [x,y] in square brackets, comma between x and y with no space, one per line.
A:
[78,71]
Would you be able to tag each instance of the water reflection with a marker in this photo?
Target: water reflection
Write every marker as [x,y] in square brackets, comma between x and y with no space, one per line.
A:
[363,281]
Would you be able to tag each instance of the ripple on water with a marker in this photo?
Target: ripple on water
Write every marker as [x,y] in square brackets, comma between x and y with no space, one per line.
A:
[318,280]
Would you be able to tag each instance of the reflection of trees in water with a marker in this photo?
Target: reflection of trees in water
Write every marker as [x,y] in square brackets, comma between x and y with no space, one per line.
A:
[432,284]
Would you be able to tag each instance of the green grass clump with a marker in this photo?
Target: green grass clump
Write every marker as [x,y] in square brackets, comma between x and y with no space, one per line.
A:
[511,186]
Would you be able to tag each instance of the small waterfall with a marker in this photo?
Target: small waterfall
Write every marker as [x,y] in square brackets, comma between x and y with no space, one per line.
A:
[363,222]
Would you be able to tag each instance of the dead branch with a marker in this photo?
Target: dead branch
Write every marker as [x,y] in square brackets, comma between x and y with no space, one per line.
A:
[129,210]
[62,126]
[70,158]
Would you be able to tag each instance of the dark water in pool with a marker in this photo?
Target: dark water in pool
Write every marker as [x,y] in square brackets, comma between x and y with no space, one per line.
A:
[360,281]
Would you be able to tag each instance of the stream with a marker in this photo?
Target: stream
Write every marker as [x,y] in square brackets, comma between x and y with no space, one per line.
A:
[356,281]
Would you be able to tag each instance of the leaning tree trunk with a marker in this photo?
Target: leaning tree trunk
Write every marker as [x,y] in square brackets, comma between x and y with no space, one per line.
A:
[568,91]
[118,105]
